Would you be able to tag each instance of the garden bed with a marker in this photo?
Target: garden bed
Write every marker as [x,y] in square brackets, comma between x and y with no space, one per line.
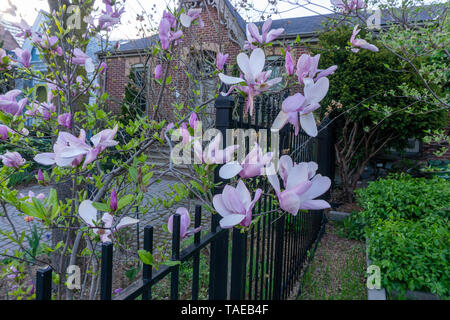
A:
[406,222]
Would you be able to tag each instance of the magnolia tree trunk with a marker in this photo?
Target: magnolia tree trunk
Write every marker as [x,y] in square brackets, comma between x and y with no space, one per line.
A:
[66,189]
[356,143]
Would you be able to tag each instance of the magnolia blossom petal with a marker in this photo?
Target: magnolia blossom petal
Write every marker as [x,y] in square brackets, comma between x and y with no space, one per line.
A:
[46,159]
[308,124]
[229,80]
[320,185]
[273,34]
[87,212]
[186,20]
[244,194]
[125,222]
[273,180]
[314,205]
[296,175]
[280,121]
[220,206]
[257,61]
[293,103]
[230,170]
[231,220]
[289,202]
[315,92]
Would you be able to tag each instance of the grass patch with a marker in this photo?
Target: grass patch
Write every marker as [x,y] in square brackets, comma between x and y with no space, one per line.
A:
[337,271]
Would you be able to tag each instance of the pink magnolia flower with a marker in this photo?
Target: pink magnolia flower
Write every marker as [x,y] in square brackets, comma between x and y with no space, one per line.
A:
[23,57]
[256,80]
[105,139]
[304,106]
[192,15]
[307,67]
[70,150]
[221,60]
[184,133]
[170,18]
[81,58]
[213,153]
[289,64]
[347,6]
[193,121]
[110,17]
[361,43]
[185,221]
[12,159]
[158,72]
[88,214]
[166,35]
[44,109]
[253,165]
[65,120]
[235,205]
[25,29]
[4,61]
[267,36]
[300,191]
[4,130]
[30,196]
[48,43]
[103,67]
[9,104]
[286,164]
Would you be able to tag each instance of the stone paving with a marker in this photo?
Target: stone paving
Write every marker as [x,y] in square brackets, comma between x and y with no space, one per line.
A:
[156,218]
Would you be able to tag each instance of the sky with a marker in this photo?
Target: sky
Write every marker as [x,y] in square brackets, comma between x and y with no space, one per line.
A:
[28,10]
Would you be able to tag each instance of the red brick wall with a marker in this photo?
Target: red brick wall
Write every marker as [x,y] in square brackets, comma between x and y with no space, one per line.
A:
[212,37]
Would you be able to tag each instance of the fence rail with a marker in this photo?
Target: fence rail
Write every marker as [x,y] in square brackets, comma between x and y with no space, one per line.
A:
[263,263]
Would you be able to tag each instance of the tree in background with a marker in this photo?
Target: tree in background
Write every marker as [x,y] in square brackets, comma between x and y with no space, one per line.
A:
[368,105]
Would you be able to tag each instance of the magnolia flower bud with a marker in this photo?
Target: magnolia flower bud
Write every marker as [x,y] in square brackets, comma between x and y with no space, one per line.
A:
[40,176]
[113,203]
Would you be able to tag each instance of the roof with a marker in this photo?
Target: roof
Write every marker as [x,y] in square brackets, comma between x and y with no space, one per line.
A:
[13,30]
[136,44]
[307,26]
[241,22]
[299,26]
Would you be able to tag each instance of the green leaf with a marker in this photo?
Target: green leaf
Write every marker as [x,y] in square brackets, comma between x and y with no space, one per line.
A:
[146,257]
[100,206]
[133,174]
[125,201]
[171,263]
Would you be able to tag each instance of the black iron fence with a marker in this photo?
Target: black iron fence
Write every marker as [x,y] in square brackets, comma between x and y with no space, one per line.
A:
[263,263]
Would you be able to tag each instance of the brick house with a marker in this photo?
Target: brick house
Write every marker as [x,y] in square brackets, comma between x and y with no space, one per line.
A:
[224,31]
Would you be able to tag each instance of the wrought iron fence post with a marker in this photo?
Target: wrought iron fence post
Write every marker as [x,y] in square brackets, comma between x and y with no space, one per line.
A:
[175,276]
[238,263]
[196,258]
[147,269]
[106,271]
[279,249]
[218,276]
[44,284]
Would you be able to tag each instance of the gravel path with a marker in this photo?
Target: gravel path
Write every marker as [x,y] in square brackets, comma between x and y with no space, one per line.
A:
[156,218]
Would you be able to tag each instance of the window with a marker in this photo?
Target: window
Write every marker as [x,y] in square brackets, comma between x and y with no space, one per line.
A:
[202,82]
[276,64]
[140,77]
[41,93]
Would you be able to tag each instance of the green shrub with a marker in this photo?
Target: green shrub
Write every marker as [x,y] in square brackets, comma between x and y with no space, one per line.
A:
[401,196]
[406,222]
[412,255]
